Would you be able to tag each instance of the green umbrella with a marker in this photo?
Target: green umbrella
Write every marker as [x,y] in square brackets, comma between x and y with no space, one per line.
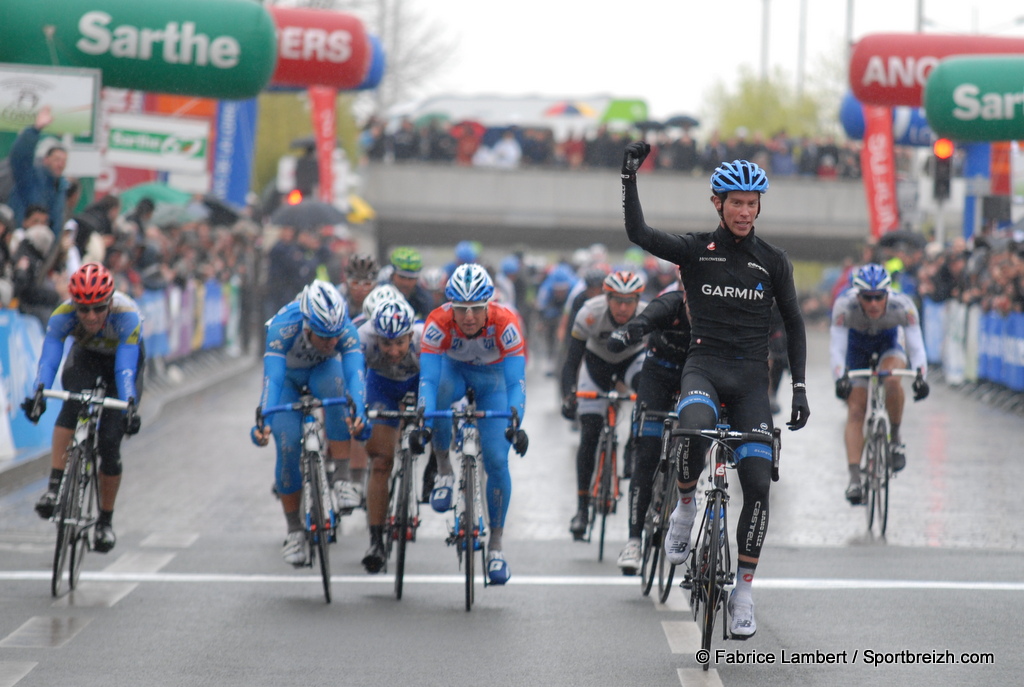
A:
[158,193]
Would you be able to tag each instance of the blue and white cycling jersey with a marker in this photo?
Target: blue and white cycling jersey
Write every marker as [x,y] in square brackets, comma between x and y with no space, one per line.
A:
[855,336]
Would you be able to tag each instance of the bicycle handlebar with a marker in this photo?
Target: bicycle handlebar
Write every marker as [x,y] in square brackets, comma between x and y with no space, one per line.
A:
[305,404]
[610,395]
[86,397]
[723,433]
[881,373]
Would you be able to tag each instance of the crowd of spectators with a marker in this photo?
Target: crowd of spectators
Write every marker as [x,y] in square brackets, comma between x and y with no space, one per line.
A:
[471,144]
[988,272]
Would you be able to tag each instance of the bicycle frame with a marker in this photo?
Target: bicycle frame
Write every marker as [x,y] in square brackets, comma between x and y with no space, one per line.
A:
[77,495]
[664,494]
[604,490]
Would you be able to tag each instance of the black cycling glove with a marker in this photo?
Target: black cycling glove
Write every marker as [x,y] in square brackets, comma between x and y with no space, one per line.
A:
[801,410]
[843,388]
[921,388]
[634,157]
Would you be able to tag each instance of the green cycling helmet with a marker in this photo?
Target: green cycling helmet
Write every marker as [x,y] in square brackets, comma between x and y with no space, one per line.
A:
[407,261]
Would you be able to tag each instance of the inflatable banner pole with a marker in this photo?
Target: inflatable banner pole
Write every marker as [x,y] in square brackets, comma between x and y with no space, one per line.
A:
[878,170]
[324,101]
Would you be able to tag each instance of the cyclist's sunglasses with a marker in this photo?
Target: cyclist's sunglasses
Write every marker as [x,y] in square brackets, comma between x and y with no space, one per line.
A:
[471,309]
[872,296]
[624,299]
[85,309]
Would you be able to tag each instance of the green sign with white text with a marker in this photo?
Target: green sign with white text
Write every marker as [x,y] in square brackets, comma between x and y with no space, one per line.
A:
[209,48]
[977,98]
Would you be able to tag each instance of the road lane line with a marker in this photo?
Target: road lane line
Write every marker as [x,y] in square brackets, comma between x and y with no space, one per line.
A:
[698,677]
[139,562]
[11,672]
[682,635]
[529,580]
[44,632]
[676,603]
[95,595]
[170,540]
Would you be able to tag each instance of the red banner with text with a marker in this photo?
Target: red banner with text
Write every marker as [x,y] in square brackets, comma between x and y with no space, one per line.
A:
[324,102]
[878,170]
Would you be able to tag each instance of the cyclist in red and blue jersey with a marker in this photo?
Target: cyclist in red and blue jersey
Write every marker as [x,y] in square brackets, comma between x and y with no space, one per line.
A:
[471,342]
[866,319]
[390,342]
[731,278]
[312,343]
[106,326]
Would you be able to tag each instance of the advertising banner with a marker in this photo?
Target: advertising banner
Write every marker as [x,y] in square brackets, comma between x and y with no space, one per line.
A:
[324,102]
[320,48]
[171,144]
[977,98]
[909,124]
[234,150]
[71,94]
[878,170]
[215,48]
[892,68]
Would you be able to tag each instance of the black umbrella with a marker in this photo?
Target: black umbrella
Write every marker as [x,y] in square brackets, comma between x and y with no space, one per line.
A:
[682,121]
[908,238]
[220,212]
[649,125]
[309,214]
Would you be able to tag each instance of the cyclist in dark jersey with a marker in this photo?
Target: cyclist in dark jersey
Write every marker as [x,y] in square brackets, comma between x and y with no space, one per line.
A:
[666,321]
[731,278]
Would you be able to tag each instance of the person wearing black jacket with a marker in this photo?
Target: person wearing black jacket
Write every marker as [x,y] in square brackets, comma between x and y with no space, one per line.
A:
[731,277]
[668,325]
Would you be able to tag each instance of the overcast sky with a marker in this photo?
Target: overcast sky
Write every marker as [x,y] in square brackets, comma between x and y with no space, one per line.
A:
[668,52]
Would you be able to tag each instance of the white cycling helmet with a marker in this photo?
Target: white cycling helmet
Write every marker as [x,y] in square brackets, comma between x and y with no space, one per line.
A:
[470,283]
[393,318]
[624,282]
[379,294]
[324,308]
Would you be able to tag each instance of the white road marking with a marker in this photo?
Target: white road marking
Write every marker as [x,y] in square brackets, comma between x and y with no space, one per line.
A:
[95,595]
[170,540]
[683,635]
[138,562]
[112,575]
[676,602]
[42,632]
[698,677]
[11,672]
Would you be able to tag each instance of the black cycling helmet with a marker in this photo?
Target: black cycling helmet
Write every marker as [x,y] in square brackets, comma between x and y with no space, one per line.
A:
[362,267]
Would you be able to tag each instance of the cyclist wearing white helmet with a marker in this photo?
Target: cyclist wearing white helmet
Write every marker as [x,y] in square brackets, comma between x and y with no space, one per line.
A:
[390,342]
[601,370]
[731,277]
[311,342]
[866,319]
[475,343]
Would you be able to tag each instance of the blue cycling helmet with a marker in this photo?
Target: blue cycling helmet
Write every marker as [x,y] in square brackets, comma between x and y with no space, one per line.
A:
[465,251]
[510,265]
[469,283]
[324,308]
[871,277]
[392,319]
[739,175]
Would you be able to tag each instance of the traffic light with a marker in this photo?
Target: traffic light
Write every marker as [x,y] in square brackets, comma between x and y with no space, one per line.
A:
[294,197]
[943,167]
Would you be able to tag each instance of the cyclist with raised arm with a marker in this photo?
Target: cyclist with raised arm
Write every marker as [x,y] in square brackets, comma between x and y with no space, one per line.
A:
[473,342]
[590,366]
[667,327]
[311,343]
[731,278]
[866,319]
[106,326]
[391,345]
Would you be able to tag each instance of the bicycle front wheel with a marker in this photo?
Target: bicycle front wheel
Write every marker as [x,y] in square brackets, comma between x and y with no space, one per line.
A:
[469,518]
[710,589]
[320,526]
[883,472]
[669,495]
[68,507]
[873,447]
[89,500]
[606,495]
[403,519]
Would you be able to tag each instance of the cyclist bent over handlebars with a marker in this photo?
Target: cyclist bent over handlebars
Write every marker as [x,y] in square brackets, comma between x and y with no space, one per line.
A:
[731,277]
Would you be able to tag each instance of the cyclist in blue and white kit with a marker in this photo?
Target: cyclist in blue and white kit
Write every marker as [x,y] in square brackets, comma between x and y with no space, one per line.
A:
[473,342]
[106,326]
[866,319]
[731,277]
[391,345]
[311,342]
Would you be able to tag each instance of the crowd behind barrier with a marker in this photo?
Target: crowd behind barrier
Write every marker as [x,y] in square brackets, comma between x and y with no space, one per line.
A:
[676,149]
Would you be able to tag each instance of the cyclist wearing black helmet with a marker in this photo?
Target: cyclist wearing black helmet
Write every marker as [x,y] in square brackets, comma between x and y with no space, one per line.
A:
[731,278]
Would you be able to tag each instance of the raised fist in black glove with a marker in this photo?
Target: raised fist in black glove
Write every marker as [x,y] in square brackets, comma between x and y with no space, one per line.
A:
[921,387]
[569,407]
[624,337]
[419,439]
[634,156]
[843,388]
[801,410]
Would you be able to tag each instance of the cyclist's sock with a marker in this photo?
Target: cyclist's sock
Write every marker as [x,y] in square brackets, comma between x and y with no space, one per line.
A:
[55,477]
[342,470]
[444,463]
[377,534]
[854,472]
[744,579]
[294,521]
[358,475]
[494,543]
[106,517]
[894,433]
[582,501]
[687,505]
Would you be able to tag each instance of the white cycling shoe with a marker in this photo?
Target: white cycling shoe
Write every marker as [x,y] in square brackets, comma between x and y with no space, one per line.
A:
[347,496]
[629,560]
[741,617]
[294,549]
[677,539]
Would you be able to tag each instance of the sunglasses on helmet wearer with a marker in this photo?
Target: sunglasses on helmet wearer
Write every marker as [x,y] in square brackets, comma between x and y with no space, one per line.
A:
[96,308]
[872,295]
[471,309]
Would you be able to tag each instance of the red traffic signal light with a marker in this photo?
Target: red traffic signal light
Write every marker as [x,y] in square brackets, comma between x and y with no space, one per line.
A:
[294,197]
[943,148]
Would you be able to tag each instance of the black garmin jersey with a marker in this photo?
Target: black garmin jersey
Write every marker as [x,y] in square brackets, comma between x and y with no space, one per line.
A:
[666,320]
[730,286]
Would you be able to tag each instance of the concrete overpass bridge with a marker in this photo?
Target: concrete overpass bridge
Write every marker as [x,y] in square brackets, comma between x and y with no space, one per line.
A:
[426,204]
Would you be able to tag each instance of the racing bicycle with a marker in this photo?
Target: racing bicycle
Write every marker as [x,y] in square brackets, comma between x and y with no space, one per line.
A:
[875,461]
[319,519]
[604,491]
[664,494]
[78,495]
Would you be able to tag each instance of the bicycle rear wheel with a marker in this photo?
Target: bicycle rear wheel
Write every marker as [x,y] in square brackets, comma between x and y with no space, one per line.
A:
[403,519]
[469,518]
[68,507]
[320,525]
[89,500]
[669,495]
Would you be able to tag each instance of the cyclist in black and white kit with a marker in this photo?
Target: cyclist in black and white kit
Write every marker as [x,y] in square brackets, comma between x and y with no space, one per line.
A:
[731,277]
[667,327]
